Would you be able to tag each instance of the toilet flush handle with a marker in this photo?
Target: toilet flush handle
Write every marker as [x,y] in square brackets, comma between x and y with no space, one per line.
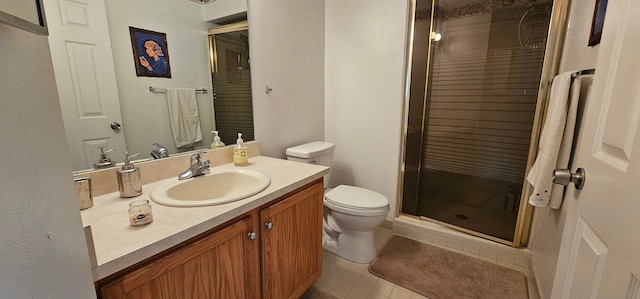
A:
[269,225]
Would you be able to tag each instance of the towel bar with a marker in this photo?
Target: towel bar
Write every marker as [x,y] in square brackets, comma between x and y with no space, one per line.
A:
[584,72]
[164,90]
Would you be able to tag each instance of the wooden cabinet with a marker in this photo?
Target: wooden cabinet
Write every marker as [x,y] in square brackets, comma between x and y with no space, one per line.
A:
[227,263]
[291,237]
[221,265]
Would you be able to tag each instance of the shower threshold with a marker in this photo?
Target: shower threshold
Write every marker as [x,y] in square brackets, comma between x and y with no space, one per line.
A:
[465,230]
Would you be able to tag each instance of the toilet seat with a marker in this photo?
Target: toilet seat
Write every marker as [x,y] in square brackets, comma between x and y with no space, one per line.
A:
[356,201]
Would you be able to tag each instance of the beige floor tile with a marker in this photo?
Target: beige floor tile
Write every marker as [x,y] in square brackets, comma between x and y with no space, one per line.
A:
[351,276]
[322,287]
[347,280]
[341,289]
[367,281]
[325,283]
[369,274]
[343,263]
[382,288]
[335,271]
[358,292]
[360,268]
[400,293]
[418,296]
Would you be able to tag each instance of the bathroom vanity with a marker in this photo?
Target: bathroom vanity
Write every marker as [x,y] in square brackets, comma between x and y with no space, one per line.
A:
[264,246]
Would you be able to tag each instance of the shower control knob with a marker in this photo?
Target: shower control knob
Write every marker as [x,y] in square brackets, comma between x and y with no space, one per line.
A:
[564,177]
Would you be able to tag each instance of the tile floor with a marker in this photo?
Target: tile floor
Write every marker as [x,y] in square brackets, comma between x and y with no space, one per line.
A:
[347,280]
[344,279]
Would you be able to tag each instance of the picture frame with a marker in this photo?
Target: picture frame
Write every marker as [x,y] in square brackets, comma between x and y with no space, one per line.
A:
[597,23]
[150,53]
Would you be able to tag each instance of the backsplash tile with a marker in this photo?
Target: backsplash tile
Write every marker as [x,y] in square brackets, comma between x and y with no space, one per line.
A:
[104,181]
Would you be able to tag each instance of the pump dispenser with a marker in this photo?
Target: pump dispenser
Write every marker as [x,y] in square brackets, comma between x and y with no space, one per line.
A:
[216,140]
[240,152]
[104,161]
[129,180]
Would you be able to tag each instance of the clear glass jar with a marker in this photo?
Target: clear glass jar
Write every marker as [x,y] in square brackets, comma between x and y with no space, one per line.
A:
[140,212]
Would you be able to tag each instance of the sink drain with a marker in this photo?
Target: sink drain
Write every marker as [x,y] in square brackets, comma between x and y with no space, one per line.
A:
[461,216]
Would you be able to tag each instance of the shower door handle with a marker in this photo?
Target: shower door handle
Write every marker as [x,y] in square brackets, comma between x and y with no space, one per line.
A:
[564,177]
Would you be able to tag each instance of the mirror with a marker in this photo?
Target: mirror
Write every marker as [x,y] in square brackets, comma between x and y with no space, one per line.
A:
[141,116]
[27,15]
[231,80]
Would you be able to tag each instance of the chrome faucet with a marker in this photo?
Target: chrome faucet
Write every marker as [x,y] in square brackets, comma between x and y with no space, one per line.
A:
[158,151]
[198,167]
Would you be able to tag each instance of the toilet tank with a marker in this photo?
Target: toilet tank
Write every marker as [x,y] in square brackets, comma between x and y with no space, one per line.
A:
[317,152]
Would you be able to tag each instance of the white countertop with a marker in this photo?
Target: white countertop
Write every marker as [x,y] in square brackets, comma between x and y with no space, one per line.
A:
[119,245]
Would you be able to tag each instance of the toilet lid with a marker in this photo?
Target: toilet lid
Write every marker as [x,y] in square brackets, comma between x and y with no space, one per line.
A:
[356,197]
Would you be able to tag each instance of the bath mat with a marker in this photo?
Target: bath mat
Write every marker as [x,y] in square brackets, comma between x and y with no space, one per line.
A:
[313,293]
[442,274]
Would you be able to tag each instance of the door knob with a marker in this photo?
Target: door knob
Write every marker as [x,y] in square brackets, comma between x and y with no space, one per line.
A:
[269,225]
[115,126]
[564,177]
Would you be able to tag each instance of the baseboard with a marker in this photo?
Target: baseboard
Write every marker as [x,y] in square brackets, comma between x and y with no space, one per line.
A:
[386,224]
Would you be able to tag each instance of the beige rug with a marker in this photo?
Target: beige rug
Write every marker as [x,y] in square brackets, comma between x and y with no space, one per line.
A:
[441,274]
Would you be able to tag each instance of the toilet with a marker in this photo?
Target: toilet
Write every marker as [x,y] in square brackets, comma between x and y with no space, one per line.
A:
[351,214]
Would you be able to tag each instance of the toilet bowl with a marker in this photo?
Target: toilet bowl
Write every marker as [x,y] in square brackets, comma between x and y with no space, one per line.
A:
[351,214]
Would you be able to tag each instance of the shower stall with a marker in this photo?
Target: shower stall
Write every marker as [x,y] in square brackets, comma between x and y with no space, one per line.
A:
[231,81]
[475,73]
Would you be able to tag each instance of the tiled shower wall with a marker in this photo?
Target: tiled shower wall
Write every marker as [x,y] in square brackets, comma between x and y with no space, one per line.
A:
[483,89]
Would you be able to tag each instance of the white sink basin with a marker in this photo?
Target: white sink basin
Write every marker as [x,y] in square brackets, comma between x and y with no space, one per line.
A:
[218,187]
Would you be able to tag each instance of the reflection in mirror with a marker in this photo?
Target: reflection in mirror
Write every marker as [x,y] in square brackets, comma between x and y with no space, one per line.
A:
[24,14]
[97,84]
[231,79]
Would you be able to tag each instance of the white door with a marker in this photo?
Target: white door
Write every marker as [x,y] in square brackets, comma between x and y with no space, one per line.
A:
[85,77]
[600,249]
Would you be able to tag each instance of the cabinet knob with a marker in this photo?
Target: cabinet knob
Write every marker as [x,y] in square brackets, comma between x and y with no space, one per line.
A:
[252,235]
[269,225]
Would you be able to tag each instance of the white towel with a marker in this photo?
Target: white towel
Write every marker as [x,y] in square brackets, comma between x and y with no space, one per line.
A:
[556,141]
[183,116]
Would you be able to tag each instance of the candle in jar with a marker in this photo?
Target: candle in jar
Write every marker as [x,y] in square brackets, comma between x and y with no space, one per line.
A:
[140,212]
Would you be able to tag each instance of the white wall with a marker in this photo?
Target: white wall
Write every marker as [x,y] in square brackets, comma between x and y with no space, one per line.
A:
[222,10]
[364,73]
[549,224]
[44,254]
[145,114]
[287,47]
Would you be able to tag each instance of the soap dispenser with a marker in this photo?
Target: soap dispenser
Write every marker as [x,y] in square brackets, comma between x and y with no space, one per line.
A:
[216,140]
[104,161]
[240,152]
[129,180]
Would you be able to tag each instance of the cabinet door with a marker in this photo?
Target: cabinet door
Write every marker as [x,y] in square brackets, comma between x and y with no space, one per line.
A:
[222,265]
[292,243]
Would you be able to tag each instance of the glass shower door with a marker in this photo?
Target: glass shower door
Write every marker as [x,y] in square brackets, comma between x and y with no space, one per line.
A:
[231,78]
[476,112]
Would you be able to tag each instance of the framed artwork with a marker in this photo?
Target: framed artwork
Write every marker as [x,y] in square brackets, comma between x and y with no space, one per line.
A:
[150,53]
[598,22]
